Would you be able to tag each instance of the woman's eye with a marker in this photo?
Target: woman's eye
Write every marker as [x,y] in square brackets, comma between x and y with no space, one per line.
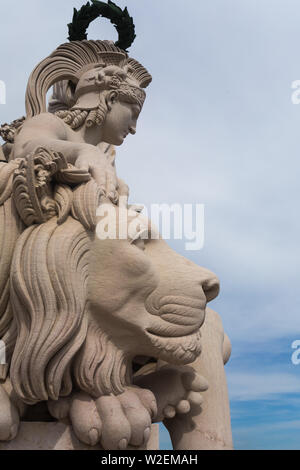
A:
[136,112]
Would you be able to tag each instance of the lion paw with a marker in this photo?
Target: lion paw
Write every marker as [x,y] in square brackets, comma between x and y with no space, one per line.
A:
[115,422]
[176,389]
[9,417]
[126,418]
[81,410]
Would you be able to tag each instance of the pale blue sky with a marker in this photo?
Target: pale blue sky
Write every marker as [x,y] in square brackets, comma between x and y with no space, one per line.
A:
[218,128]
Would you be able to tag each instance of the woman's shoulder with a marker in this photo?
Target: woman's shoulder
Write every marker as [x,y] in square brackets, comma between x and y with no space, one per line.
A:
[48,123]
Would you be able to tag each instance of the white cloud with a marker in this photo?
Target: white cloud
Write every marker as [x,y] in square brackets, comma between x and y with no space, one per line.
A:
[271,427]
[260,386]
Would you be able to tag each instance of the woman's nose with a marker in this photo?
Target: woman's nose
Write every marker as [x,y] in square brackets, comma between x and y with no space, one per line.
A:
[132,130]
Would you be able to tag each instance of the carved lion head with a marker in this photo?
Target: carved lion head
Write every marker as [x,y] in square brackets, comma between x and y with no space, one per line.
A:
[80,309]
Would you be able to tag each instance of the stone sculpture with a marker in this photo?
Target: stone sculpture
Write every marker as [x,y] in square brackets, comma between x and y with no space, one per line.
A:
[99,331]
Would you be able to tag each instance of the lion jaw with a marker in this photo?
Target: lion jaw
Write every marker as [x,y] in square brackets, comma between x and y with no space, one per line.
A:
[175,326]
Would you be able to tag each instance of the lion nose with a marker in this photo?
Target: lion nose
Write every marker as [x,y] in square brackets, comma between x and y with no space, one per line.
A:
[211,286]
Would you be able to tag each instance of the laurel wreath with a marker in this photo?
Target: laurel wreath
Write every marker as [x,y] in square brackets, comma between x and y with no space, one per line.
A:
[121,19]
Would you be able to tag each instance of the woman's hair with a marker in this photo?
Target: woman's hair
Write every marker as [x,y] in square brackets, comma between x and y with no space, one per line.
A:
[75,118]
[68,63]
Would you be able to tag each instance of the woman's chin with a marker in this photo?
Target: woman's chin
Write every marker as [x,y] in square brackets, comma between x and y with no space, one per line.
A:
[117,141]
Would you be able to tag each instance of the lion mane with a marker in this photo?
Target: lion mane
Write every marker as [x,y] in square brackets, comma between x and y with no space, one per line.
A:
[52,345]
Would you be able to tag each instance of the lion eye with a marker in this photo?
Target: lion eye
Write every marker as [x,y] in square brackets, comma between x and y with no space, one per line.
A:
[139,239]
[139,243]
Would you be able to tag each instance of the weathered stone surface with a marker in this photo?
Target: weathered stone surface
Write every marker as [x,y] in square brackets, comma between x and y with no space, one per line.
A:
[59,436]
[78,310]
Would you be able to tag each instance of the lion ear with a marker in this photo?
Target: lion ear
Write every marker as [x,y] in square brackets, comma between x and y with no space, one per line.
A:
[63,196]
[86,200]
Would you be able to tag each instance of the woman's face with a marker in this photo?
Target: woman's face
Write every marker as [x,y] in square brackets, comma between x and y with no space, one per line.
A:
[120,121]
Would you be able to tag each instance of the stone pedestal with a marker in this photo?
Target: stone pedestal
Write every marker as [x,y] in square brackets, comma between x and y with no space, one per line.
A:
[59,436]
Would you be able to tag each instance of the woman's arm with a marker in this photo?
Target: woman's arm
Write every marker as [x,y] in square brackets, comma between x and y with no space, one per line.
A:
[47,130]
